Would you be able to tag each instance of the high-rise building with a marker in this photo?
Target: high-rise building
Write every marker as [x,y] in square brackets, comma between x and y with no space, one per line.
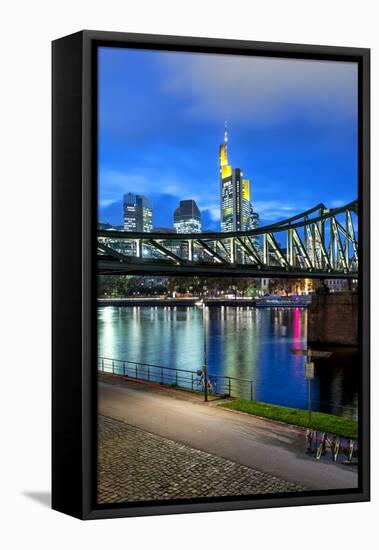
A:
[254,218]
[234,194]
[254,223]
[138,214]
[187,217]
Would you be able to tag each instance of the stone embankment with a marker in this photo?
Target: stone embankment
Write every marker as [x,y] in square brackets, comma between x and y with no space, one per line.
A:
[333,319]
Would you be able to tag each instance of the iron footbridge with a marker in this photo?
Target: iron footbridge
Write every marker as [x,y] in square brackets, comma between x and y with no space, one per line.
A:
[319,243]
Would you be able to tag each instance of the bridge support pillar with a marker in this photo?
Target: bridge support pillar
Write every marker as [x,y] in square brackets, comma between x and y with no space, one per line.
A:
[138,248]
[333,318]
[190,250]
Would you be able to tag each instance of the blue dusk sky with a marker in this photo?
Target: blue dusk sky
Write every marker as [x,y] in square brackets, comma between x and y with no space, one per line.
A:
[292,127]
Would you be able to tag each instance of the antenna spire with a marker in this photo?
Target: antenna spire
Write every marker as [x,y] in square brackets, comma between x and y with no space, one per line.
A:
[225,133]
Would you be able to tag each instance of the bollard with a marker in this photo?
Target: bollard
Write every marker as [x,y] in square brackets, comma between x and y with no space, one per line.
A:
[315,437]
[321,448]
[335,448]
[350,451]
[308,440]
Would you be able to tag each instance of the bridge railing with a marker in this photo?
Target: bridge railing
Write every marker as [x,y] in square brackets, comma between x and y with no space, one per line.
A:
[181,378]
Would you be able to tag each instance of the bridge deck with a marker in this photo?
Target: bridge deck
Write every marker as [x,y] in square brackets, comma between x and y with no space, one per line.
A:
[135,267]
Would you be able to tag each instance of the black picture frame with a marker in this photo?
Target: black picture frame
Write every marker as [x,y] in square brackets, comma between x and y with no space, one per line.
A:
[74,206]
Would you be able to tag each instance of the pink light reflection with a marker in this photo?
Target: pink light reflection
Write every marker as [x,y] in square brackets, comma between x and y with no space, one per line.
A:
[297,326]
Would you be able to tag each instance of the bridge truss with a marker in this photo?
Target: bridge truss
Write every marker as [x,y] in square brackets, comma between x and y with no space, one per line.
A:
[320,243]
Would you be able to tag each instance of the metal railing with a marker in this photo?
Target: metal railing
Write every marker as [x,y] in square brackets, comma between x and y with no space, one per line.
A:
[181,378]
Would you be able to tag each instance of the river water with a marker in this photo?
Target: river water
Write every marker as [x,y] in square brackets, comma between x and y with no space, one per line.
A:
[249,343]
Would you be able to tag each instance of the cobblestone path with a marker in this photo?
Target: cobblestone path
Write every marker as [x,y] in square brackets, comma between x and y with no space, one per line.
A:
[135,465]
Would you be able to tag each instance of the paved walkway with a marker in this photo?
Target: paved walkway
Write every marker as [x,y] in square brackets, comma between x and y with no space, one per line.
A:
[135,465]
[260,444]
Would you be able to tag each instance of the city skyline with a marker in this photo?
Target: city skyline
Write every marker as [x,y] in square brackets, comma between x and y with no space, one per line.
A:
[138,215]
[297,141]
[236,209]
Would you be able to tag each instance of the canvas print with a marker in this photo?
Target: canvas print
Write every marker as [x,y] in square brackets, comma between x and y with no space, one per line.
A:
[227,286]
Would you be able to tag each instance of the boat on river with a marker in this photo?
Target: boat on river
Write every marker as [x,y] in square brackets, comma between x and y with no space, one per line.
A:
[272,300]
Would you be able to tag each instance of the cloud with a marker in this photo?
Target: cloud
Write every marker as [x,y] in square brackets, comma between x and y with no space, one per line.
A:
[213,209]
[261,89]
[115,183]
[106,202]
[272,211]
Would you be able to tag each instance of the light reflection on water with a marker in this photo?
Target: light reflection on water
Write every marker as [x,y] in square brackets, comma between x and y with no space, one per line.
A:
[248,343]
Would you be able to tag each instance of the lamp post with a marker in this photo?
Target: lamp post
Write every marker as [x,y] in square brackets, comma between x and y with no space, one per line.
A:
[205,378]
[309,370]
[309,375]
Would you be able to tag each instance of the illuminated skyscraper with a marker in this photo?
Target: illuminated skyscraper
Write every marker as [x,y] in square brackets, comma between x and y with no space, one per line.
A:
[234,194]
[187,218]
[138,214]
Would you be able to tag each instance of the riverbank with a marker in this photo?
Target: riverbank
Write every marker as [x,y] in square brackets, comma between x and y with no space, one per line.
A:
[323,422]
[175,302]
[209,302]
[328,423]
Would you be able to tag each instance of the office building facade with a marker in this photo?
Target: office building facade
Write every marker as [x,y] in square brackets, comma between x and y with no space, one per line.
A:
[138,213]
[187,217]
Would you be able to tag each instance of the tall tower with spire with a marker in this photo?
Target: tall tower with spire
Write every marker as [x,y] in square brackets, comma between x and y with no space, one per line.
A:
[225,169]
[235,206]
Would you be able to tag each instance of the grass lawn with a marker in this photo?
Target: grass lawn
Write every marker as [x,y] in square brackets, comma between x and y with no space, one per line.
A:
[338,425]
